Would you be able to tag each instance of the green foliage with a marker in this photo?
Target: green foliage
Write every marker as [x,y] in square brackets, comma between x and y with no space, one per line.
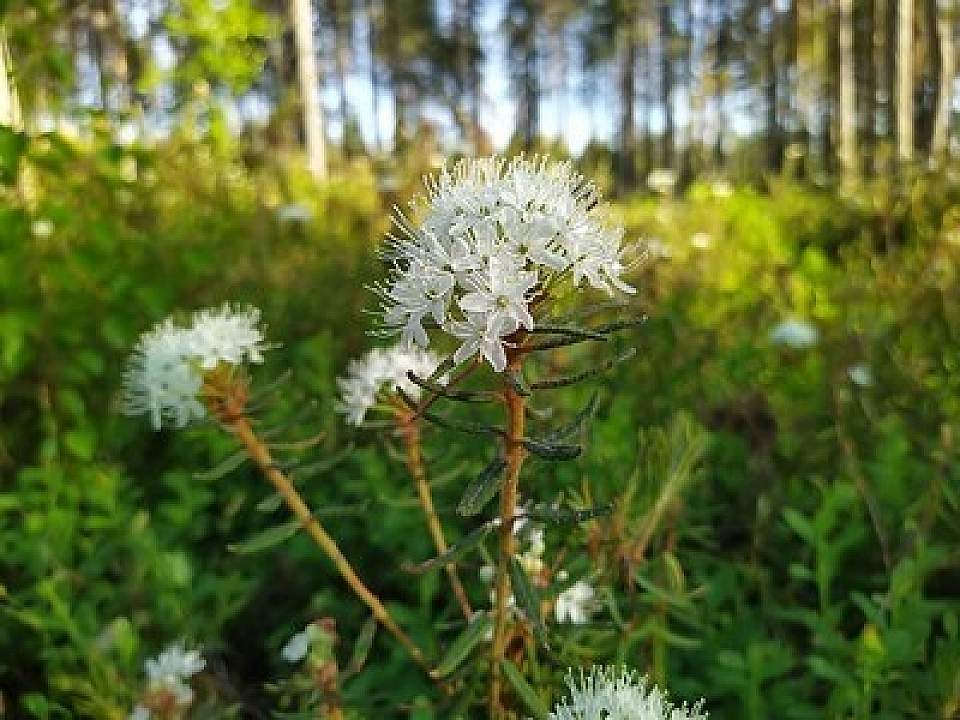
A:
[761,530]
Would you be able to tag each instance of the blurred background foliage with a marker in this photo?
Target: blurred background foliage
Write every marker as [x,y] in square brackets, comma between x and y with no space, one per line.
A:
[786,521]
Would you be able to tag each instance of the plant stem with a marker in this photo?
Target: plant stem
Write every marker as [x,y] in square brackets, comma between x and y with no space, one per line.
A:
[261,456]
[410,431]
[515,455]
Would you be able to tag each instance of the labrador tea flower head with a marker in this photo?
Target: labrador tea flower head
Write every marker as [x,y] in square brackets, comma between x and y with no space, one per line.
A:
[495,239]
[606,693]
[168,678]
[165,376]
[378,370]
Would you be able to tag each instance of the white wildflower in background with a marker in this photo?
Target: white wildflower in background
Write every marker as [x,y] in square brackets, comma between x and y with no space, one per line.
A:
[42,228]
[226,335]
[161,380]
[139,712]
[701,240]
[721,189]
[171,670]
[662,180]
[294,212]
[298,646]
[492,236]
[164,376]
[610,694]
[379,369]
[576,604]
[531,559]
[794,333]
[860,374]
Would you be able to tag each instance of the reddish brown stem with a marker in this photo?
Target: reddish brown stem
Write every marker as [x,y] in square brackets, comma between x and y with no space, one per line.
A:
[515,454]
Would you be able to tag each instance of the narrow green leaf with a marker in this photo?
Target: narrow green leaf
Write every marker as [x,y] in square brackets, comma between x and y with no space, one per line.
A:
[224,467]
[574,332]
[468,396]
[568,380]
[269,388]
[270,503]
[567,516]
[552,451]
[597,334]
[527,600]
[483,488]
[524,691]
[466,641]
[454,552]
[564,432]
[318,467]
[266,539]
[361,648]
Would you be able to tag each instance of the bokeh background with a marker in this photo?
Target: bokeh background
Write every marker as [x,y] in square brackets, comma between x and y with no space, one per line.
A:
[785,161]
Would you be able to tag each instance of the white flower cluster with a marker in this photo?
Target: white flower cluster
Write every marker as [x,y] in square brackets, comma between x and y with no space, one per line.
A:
[493,235]
[382,368]
[608,694]
[297,647]
[576,604]
[170,673]
[165,373]
[794,333]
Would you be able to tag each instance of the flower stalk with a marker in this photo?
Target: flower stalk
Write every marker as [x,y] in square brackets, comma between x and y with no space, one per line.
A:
[225,395]
[409,428]
[260,454]
[514,456]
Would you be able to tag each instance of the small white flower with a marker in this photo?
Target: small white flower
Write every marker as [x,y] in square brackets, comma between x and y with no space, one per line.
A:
[501,295]
[795,333]
[42,228]
[701,240]
[139,712]
[486,573]
[226,335]
[172,669]
[860,374]
[294,212]
[492,234]
[608,694]
[661,180]
[721,189]
[576,603]
[478,337]
[297,647]
[531,559]
[380,369]
[161,379]
[164,376]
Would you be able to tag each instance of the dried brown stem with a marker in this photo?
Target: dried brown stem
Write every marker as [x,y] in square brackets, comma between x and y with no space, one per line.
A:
[409,429]
[260,454]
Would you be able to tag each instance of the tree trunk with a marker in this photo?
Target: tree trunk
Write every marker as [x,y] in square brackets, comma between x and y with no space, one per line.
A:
[311,111]
[342,27]
[774,143]
[905,80]
[530,89]
[941,118]
[666,82]
[628,97]
[848,99]
[720,79]
[866,79]
[9,100]
[373,14]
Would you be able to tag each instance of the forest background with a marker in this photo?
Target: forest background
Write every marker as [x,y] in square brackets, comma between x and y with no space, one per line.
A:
[783,161]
